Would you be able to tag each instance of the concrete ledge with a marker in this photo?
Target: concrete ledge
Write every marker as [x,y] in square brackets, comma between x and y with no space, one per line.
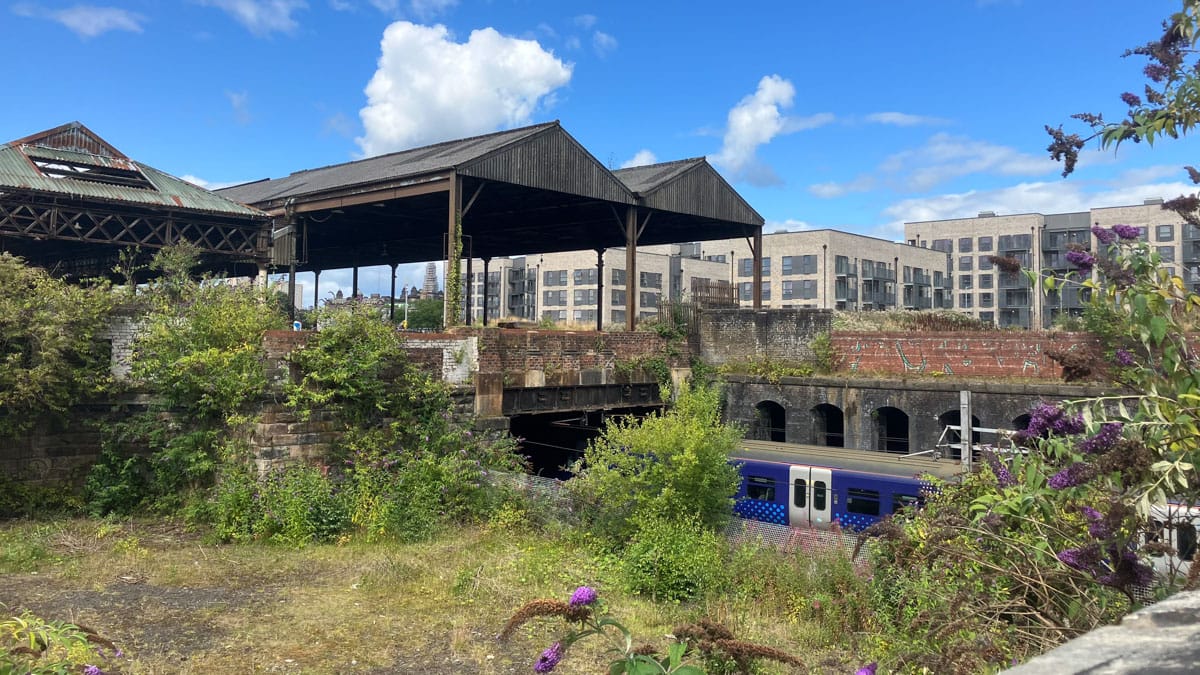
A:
[1162,638]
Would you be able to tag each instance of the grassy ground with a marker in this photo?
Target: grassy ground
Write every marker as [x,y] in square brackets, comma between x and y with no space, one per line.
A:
[178,604]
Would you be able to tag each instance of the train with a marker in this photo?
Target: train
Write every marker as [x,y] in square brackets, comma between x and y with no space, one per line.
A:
[823,487]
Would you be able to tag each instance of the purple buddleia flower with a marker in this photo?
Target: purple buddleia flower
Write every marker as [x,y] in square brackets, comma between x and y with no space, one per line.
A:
[1130,99]
[1129,571]
[1081,259]
[1126,232]
[1073,475]
[1124,357]
[584,595]
[1046,419]
[1083,559]
[1097,523]
[868,669]
[1103,234]
[1103,440]
[1004,477]
[549,659]
[92,670]
[1067,425]
[1156,71]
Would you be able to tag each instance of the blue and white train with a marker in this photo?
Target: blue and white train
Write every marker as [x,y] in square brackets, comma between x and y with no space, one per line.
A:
[817,486]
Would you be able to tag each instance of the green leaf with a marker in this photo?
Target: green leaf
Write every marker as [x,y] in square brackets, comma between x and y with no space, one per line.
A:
[1158,328]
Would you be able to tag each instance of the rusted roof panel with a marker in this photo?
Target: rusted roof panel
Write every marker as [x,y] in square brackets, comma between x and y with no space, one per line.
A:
[689,186]
[18,170]
[391,167]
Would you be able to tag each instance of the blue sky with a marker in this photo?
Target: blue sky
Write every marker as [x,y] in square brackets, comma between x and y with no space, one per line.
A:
[857,116]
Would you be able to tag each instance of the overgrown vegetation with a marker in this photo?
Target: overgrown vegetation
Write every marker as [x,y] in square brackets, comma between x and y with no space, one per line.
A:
[899,320]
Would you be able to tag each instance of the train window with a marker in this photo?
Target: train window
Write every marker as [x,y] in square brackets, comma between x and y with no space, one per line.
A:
[800,490]
[862,501]
[819,495]
[1185,540]
[758,487]
[901,501]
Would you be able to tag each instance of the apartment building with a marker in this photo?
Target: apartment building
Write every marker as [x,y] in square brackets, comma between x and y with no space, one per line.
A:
[1040,242]
[831,269]
[566,287]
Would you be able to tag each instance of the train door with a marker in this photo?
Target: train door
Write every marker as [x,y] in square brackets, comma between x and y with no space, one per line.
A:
[811,495]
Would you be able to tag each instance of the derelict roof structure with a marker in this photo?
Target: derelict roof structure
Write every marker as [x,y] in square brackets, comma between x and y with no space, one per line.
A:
[69,201]
[523,191]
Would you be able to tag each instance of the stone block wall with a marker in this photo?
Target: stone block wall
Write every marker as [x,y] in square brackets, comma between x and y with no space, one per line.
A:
[730,335]
[988,354]
[581,355]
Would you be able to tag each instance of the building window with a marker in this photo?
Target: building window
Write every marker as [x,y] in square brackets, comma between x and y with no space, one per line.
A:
[964,282]
[985,244]
[943,245]
[716,258]
[650,280]
[964,245]
[1166,253]
[1164,232]
[585,277]
[554,278]
[808,289]
[766,290]
[985,281]
[785,268]
[985,262]
[554,298]
[965,263]
[766,266]
[986,300]
[987,317]
[965,300]
[648,300]
[618,297]
[746,267]
[746,291]
[618,316]
[787,289]
[555,315]
[585,315]
[584,296]
[618,277]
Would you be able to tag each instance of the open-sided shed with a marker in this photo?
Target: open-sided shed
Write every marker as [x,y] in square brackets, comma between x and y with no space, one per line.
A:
[524,191]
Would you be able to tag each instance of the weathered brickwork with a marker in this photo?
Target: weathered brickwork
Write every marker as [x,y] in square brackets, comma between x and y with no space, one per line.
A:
[521,351]
[1004,354]
[731,335]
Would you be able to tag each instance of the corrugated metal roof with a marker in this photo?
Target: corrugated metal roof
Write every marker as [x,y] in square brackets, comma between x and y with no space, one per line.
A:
[394,166]
[689,186]
[648,178]
[19,171]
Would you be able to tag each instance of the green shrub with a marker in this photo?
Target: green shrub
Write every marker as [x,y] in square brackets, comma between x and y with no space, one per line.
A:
[118,483]
[673,559]
[672,465]
[300,505]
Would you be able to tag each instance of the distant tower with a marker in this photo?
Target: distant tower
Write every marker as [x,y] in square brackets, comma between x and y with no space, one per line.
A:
[430,285]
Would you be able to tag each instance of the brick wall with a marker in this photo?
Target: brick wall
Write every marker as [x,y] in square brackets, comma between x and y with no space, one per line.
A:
[520,351]
[1006,354]
[727,335]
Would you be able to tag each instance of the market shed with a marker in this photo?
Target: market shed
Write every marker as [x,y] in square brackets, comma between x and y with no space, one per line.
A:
[70,201]
[524,191]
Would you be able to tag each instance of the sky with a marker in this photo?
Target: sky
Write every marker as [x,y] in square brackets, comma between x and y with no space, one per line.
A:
[857,116]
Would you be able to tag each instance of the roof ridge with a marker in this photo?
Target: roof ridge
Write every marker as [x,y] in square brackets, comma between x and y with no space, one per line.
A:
[667,163]
[530,128]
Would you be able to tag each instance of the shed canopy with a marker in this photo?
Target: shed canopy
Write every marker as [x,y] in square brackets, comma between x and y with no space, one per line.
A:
[69,201]
[523,191]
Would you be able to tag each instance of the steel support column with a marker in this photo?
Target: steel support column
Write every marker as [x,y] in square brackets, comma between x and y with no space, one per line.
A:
[757,252]
[392,296]
[354,284]
[316,289]
[631,277]
[599,289]
[452,224]
[486,262]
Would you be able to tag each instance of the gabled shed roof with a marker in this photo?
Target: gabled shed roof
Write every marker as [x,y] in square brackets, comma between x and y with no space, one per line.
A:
[689,186]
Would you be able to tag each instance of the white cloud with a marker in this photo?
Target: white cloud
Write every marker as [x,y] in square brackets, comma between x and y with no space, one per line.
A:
[586,21]
[261,17]
[572,42]
[430,8]
[240,102]
[642,158]
[429,88]
[946,156]
[603,42]
[341,6]
[86,21]
[829,190]
[754,121]
[786,225]
[900,119]
[207,184]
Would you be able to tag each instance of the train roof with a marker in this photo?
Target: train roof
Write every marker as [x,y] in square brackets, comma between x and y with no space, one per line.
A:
[867,461]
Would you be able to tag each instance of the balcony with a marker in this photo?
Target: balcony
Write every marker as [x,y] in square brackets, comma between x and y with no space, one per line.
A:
[845,268]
